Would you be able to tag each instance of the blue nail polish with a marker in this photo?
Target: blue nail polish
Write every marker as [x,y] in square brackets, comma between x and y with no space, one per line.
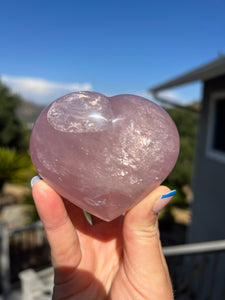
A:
[34,180]
[163,201]
[170,194]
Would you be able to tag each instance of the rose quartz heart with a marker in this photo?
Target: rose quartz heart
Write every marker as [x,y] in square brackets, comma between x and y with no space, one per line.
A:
[104,154]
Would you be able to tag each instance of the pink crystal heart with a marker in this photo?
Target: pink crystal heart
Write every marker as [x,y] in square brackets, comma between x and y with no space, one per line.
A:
[104,154]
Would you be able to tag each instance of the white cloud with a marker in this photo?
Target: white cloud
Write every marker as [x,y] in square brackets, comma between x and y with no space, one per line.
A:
[168,95]
[173,96]
[40,90]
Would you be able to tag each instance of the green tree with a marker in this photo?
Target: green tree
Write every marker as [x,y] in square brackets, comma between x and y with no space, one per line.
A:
[13,133]
[14,167]
[186,122]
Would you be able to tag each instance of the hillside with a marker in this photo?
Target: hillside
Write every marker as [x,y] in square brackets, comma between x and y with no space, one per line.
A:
[29,111]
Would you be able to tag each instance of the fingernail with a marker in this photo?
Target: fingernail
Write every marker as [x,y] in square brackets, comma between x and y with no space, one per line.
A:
[163,201]
[34,180]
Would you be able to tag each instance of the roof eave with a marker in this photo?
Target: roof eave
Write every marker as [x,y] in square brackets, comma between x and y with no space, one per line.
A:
[212,69]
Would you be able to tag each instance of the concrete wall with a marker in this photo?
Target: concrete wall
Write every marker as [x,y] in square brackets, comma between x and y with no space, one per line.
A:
[208,208]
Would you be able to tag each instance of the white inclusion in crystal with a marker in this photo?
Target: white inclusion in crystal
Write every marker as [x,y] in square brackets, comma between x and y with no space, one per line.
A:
[125,154]
[49,165]
[95,102]
[126,161]
[97,116]
[133,180]
[138,132]
[81,95]
[116,120]
[145,141]
[123,173]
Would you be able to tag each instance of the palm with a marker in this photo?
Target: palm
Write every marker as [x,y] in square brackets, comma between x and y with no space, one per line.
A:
[103,240]
[121,259]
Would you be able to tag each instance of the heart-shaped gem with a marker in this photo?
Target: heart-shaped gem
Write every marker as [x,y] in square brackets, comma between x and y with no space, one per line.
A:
[104,154]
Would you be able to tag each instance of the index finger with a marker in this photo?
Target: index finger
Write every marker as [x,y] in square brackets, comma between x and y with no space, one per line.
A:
[61,234]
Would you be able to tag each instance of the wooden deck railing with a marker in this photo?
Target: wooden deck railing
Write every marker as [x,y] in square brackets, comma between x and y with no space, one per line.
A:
[197,270]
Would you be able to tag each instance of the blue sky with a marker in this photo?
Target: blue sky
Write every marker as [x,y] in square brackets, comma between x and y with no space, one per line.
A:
[50,48]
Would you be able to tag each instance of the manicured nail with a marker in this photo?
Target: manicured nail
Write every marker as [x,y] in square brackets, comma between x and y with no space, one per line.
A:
[163,201]
[34,180]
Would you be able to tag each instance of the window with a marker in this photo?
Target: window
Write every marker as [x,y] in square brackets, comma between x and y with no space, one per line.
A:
[216,127]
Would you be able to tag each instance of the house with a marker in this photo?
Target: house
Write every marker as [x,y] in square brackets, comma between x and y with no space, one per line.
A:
[208,208]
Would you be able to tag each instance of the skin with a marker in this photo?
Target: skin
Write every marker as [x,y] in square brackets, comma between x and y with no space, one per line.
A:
[121,259]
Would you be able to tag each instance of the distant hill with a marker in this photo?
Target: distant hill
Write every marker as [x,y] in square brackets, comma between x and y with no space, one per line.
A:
[29,111]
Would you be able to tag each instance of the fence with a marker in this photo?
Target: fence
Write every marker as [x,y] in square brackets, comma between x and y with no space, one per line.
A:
[21,249]
[197,270]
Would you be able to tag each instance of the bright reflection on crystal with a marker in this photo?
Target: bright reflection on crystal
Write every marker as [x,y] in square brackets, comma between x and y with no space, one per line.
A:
[97,116]
[104,154]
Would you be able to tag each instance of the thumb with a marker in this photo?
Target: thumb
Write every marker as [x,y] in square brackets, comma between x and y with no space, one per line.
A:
[143,257]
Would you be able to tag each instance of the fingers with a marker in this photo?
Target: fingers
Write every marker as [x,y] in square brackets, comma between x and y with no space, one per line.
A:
[61,234]
[143,256]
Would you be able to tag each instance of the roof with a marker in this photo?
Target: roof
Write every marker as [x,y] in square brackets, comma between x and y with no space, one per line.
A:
[207,71]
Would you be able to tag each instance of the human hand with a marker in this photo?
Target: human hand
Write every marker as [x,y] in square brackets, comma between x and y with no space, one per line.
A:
[120,260]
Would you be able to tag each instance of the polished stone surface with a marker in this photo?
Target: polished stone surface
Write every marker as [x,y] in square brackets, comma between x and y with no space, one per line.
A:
[104,154]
